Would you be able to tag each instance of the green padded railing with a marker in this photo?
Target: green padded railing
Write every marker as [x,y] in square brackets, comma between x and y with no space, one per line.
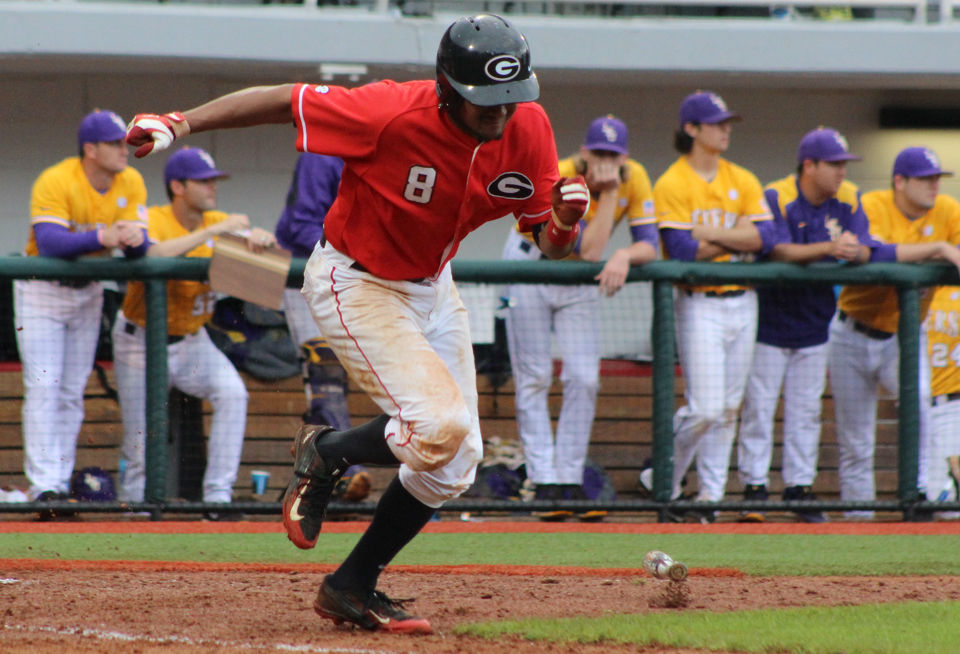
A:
[909,279]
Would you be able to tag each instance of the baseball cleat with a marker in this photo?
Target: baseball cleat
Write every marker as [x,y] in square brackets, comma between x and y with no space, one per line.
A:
[804,494]
[758,493]
[308,493]
[373,611]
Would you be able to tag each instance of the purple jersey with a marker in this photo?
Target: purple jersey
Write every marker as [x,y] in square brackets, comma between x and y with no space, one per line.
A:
[316,178]
[799,316]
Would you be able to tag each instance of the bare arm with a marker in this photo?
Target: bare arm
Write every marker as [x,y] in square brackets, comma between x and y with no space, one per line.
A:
[742,237]
[258,105]
[615,271]
[177,246]
[937,251]
[845,248]
[596,234]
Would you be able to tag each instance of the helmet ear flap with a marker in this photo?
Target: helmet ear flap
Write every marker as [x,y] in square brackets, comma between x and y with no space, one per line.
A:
[448,98]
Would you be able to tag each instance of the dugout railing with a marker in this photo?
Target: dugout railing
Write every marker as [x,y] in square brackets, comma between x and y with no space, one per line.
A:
[910,280]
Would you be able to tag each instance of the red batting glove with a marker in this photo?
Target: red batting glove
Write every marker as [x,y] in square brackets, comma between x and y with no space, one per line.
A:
[153,132]
[571,199]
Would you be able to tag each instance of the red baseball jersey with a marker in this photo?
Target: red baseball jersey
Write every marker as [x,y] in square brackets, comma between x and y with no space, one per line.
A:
[414,184]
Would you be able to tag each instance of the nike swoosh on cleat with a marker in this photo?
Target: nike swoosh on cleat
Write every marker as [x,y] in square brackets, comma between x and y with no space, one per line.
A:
[294,513]
[378,618]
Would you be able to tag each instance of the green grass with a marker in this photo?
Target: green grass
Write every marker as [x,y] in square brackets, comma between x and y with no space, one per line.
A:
[910,628]
[753,554]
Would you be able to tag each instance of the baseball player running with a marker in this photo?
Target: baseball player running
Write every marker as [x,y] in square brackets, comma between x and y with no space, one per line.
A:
[83,206]
[186,226]
[620,188]
[924,226]
[710,210]
[818,217]
[426,162]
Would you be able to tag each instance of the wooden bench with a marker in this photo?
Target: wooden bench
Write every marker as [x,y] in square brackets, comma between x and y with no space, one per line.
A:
[621,435]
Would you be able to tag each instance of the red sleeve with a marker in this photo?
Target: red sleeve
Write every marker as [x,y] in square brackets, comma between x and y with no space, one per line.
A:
[538,209]
[342,122]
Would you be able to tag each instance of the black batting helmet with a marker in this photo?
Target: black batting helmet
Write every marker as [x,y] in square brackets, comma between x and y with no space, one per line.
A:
[485,60]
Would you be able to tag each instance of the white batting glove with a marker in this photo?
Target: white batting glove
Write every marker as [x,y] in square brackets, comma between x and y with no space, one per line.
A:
[153,132]
[571,199]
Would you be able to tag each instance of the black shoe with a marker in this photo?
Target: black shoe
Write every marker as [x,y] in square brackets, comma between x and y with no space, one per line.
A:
[308,493]
[803,494]
[372,610]
[224,516]
[754,493]
[46,515]
[575,492]
[691,516]
[550,493]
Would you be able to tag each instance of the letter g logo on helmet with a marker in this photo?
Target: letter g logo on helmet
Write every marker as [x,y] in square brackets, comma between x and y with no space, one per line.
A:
[502,68]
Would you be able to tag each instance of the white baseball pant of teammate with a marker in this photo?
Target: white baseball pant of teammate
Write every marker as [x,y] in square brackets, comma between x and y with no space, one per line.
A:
[536,310]
[57,329]
[944,442]
[715,342]
[197,367]
[802,374]
[857,364]
[406,344]
[299,321]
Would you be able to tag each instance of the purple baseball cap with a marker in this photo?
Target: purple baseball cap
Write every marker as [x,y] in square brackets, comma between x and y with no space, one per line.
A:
[101,127]
[705,108]
[918,162]
[190,163]
[607,133]
[825,144]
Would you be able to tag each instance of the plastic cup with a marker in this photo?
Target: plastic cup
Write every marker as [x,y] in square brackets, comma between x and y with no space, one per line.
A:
[259,479]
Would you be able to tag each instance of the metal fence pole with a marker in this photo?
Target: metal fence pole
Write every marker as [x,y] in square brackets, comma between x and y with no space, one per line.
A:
[157,411]
[909,407]
[663,346]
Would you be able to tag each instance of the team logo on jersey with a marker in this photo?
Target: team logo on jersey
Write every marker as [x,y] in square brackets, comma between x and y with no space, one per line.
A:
[512,186]
[502,68]
[733,194]
[322,88]
[122,202]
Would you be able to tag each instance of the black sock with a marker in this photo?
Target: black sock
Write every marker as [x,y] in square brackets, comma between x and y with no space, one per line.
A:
[398,518]
[364,444]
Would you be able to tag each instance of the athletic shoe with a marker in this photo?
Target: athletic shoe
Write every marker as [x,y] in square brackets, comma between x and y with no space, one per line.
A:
[372,611]
[550,493]
[575,492]
[804,494]
[45,515]
[308,493]
[754,493]
[645,478]
[692,516]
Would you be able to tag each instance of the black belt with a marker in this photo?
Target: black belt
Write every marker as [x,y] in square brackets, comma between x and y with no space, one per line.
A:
[356,265]
[866,330]
[720,293]
[943,399]
[131,329]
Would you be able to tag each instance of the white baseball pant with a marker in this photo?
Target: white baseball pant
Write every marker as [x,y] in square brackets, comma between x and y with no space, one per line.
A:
[802,374]
[571,312]
[858,363]
[57,328]
[197,367]
[715,343]
[944,442]
[407,345]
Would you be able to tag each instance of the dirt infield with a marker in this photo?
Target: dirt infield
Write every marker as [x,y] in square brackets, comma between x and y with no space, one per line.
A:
[87,606]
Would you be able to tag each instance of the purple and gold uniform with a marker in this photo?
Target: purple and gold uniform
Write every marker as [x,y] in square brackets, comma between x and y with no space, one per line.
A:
[943,347]
[63,196]
[189,303]
[799,316]
[877,306]
[194,364]
[864,351]
[58,322]
[716,324]
[684,199]
[555,462]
